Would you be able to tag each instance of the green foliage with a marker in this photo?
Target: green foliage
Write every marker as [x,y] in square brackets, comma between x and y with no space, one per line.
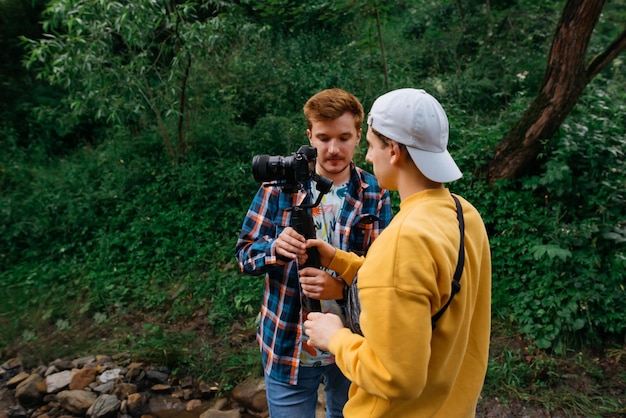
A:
[129,63]
[296,15]
[558,238]
[122,228]
[515,368]
[477,55]
[160,346]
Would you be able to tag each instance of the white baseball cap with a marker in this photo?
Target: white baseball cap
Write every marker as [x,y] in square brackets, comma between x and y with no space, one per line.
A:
[416,119]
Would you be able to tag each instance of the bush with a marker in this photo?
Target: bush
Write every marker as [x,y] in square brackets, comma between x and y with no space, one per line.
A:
[558,238]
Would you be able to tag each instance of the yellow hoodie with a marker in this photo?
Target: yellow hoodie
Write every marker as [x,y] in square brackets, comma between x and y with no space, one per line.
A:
[401,367]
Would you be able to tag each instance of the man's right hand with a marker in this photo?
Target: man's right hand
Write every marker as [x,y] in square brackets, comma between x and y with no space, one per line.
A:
[290,245]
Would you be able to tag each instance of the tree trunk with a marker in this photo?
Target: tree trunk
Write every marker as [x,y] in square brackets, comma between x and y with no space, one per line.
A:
[565,79]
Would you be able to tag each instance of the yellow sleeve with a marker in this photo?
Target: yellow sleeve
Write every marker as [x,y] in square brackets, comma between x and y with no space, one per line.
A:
[346,264]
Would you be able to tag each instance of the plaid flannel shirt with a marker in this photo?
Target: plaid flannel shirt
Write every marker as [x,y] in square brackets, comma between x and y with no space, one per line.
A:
[366,211]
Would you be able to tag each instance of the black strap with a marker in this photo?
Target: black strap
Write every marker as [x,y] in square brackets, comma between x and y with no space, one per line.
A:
[456,280]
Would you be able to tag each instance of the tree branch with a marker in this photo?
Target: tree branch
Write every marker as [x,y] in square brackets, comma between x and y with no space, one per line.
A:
[149,98]
[382,46]
[600,61]
[182,140]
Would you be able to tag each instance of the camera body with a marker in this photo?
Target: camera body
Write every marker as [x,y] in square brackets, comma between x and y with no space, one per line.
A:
[290,173]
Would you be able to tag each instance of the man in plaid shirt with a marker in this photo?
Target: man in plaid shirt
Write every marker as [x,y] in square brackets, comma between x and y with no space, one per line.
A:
[351,215]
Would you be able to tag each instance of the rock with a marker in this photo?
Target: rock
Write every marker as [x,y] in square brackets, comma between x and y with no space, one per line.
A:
[220,404]
[50,370]
[42,387]
[135,372]
[193,405]
[159,387]
[105,406]
[76,401]
[185,394]
[58,381]
[109,375]
[186,382]
[157,376]
[62,365]
[166,407]
[17,411]
[40,370]
[213,413]
[123,390]
[17,379]
[104,388]
[104,359]
[207,391]
[136,404]
[27,393]
[79,363]
[251,394]
[135,365]
[83,378]
[12,364]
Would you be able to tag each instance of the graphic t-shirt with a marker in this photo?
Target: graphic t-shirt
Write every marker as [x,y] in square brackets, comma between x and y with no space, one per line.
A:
[325,218]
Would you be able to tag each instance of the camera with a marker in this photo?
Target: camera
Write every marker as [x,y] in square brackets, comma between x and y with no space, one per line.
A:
[293,169]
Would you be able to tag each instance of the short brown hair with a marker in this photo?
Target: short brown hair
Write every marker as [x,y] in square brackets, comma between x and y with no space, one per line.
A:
[386,140]
[330,104]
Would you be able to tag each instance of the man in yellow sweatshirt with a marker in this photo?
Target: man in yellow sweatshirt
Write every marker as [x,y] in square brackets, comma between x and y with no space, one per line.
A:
[403,365]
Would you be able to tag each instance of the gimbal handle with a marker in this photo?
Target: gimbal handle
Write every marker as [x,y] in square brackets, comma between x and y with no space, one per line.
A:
[302,222]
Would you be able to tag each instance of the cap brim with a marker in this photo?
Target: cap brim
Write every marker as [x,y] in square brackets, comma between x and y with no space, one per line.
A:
[436,166]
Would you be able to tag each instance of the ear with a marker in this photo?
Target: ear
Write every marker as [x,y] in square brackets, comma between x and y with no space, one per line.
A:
[358,136]
[395,152]
[309,135]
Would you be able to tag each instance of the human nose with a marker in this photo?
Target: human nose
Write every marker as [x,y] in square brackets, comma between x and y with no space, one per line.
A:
[333,147]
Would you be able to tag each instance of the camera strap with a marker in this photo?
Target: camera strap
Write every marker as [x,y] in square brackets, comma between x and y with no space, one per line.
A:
[456,285]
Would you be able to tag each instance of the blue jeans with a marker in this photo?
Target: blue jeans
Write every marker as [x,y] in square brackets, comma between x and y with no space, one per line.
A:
[299,401]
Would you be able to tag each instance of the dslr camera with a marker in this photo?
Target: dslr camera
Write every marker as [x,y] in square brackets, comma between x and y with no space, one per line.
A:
[293,169]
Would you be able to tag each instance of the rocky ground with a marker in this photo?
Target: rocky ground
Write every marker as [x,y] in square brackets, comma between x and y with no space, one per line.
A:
[113,386]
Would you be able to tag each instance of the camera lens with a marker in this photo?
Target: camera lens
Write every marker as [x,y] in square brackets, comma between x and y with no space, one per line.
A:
[267,168]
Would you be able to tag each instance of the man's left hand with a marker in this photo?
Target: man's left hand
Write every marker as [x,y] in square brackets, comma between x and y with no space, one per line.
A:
[318,284]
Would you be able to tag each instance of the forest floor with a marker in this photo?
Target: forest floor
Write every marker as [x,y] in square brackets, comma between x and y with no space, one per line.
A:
[527,382]
[521,383]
